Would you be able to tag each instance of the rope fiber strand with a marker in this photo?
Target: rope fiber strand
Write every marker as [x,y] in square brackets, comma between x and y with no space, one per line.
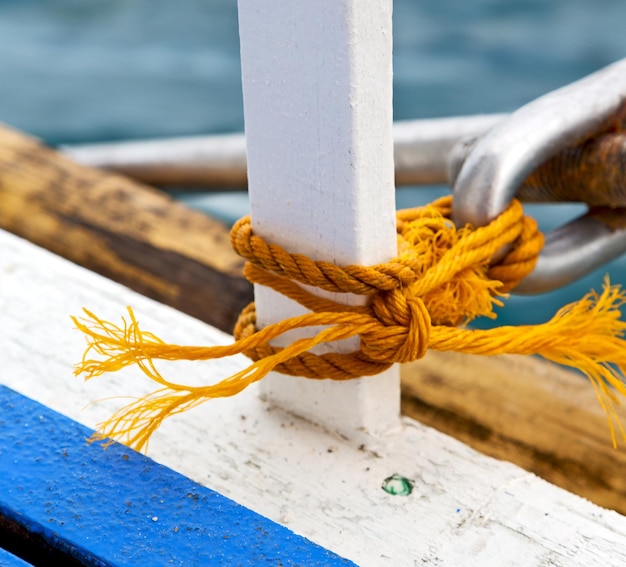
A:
[422,299]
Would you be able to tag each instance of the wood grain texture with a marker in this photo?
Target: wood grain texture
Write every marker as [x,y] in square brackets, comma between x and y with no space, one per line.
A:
[465,508]
[525,410]
[124,230]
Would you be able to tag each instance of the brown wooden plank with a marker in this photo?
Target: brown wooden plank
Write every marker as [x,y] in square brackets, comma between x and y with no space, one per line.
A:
[126,231]
[525,410]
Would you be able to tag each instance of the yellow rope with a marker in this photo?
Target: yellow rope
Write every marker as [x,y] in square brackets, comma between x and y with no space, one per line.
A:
[440,279]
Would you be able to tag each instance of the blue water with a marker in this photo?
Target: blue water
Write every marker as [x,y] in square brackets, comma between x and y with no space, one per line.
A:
[93,70]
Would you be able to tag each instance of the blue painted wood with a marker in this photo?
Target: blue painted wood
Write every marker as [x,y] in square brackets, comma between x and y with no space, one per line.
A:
[116,507]
[9,560]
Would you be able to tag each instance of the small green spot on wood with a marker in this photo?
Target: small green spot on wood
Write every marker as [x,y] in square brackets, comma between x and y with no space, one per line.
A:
[397,485]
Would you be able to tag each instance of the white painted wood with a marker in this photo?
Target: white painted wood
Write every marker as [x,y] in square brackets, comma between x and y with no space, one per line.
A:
[318,118]
[466,509]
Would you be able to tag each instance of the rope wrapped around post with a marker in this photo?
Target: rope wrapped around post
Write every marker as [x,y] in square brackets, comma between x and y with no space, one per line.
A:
[423,299]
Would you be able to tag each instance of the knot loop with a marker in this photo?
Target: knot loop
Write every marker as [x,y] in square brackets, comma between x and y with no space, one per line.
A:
[404,333]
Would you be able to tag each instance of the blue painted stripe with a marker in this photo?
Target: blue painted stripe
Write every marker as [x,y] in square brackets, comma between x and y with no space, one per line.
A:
[9,560]
[116,507]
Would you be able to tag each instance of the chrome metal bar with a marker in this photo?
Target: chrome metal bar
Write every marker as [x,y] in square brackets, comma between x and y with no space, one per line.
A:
[202,161]
[421,149]
[576,249]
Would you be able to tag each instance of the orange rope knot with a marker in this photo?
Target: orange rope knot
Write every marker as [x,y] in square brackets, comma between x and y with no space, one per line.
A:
[440,280]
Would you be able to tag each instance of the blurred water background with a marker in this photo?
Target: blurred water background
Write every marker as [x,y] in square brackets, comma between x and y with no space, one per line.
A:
[77,71]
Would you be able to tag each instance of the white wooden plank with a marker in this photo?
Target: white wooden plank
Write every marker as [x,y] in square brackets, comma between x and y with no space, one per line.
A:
[466,509]
[317,82]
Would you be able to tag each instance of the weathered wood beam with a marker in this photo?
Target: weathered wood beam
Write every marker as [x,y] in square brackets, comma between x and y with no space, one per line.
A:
[129,232]
[522,409]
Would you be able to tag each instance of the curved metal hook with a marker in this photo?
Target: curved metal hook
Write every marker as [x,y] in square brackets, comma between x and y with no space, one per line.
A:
[498,164]
[576,249]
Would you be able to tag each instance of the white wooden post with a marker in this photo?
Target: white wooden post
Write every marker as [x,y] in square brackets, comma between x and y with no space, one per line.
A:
[317,84]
